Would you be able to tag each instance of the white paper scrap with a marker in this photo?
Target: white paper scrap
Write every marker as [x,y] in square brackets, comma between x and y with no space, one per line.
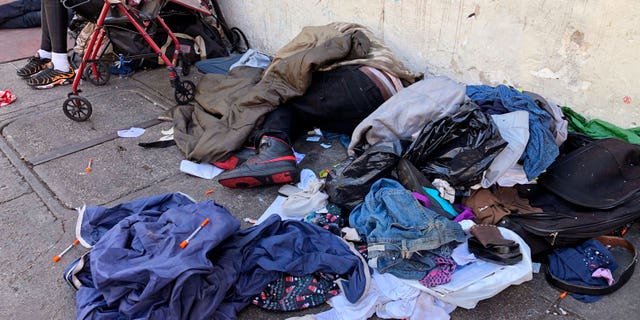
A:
[202,170]
[299,156]
[130,133]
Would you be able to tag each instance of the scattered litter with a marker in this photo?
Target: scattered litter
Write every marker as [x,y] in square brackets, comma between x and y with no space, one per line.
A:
[88,168]
[315,132]
[324,173]
[185,243]
[325,145]
[562,312]
[306,176]
[322,210]
[313,138]
[167,132]
[208,192]
[130,133]
[274,208]
[6,97]
[536,267]
[555,303]
[249,220]
[202,170]
[58,257]
[121,67]
[350,234]
[299,156]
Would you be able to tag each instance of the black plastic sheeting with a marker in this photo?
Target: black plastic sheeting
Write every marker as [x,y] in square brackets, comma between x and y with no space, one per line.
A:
[348,184]
[457,148]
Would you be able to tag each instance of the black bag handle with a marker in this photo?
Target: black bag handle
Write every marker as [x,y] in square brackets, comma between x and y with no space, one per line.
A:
[600,290]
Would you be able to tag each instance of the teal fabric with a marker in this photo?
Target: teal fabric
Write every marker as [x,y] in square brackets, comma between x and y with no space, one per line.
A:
[443,203]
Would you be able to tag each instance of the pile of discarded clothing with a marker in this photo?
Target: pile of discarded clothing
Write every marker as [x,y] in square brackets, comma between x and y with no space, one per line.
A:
[446,193]
[140,266]
[154,258]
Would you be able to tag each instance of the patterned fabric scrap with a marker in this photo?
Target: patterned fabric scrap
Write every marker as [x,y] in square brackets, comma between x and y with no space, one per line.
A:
[329,220]
[293,293]
[441,274]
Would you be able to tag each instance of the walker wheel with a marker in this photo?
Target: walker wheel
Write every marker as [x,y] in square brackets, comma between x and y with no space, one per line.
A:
[77,108]
[103,75]
[185,92]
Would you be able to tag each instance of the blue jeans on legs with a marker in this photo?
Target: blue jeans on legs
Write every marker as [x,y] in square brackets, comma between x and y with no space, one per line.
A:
[20,14]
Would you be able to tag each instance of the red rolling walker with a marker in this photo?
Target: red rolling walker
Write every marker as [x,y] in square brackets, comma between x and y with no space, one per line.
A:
[79,108]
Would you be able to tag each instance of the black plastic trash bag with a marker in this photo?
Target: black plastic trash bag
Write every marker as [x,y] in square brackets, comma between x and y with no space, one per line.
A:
[348,184]
[457,148]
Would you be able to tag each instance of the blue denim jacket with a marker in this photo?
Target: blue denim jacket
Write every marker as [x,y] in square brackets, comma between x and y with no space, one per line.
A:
[402,235]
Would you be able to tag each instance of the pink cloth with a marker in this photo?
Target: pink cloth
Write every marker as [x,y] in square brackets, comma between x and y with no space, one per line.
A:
[6,97]
[441,274]
[604,273]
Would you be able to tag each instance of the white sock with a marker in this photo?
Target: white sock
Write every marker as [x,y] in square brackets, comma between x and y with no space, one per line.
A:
[60,61]
[44,54]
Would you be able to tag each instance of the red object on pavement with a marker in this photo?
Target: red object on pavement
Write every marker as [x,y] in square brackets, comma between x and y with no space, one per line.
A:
[6,97]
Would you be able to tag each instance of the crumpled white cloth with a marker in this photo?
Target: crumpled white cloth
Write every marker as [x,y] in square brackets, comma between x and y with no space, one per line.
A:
[446,191]
[389,298]
[310,199]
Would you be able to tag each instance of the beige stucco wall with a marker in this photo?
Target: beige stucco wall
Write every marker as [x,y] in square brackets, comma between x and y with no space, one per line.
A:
[580,53]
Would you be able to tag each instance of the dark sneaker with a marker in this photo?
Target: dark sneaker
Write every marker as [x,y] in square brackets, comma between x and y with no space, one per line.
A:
[50,77]
[34,65]
[274,164]
[236,159]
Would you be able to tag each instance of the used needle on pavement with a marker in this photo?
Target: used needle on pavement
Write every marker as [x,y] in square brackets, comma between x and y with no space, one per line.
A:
[557,301]
[88,168]
[58,257]
[184,243]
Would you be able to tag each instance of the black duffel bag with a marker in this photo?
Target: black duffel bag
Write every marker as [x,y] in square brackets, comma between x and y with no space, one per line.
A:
[593,190]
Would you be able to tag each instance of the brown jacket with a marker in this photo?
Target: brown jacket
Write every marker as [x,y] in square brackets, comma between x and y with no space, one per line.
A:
[232,104]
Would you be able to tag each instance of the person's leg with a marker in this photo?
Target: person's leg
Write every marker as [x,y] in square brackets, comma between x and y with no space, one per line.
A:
[42,57]
[11,10]
[337,100]
[32,5]
[274,162]
[279,123]
[27,20]
[56,18]
[45,41]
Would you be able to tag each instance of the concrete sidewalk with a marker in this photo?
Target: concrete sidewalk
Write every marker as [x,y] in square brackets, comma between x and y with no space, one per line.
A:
[41,182]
